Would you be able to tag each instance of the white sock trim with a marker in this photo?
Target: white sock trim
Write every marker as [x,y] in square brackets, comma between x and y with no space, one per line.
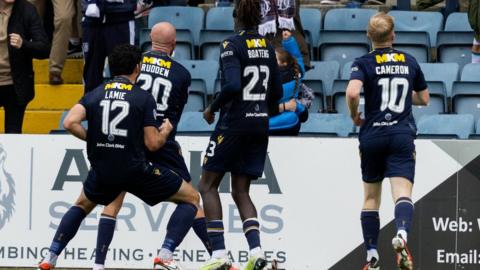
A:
[371,253]
[98,267]
[219,254]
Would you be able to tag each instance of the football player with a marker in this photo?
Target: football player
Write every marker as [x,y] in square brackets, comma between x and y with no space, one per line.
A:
[392,81]
[251,89]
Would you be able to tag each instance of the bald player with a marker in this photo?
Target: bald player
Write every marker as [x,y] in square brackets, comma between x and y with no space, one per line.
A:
[168,82]
[392,82]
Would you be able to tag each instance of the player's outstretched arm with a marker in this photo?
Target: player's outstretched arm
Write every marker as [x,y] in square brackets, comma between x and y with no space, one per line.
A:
[155,138]
[353,100]
[73,121]
[421,98]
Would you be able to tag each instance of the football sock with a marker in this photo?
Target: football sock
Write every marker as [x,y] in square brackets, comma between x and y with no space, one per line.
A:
[215,234]
[200,228]
[51,258]
[67,229]
[98,267]
[370,228]
[179,224]
[106,228]
[165,254]
[251,228]
[403,216]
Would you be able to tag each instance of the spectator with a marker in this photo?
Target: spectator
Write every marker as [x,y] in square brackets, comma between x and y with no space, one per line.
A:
[474,18]
[21,38]
[64,11]
[106,24]
[287,18]
[291,66]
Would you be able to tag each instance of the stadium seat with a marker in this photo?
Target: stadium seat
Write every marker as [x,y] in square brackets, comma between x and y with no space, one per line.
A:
[466,98]
[323,123]
[471,73]
[339,103]
[477,127]
[438,101]
[326,71]
[343,46]
[418,21]
[205,70]
[195,102]
[458,125]
[312,23]
[416,44]
[193,122]
[186,18]
[318,102]
[445,72]
[220,18]
[348,19]
[210,41]
[455,47]
[457,22]
[346,71]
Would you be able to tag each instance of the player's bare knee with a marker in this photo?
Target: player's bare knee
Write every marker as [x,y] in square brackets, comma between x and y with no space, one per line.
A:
[111,210]
[371,202]
[239,195]
[85,204]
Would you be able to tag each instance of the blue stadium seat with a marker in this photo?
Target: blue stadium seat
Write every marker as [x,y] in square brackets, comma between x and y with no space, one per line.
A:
[418,21]
[444,72]
[471,73]
[318,102]
[343,46]
[195,102]
[438,101]
[416,44]
[205,70]
[187,18]
[457,22]
[477,127]
[326,71]
[455,47]
[346,71]
[210,43]
[323,123]
[220,18]
[459,125]
[351,19]
[193,122]
[312,23]
[339,103]
[466,98]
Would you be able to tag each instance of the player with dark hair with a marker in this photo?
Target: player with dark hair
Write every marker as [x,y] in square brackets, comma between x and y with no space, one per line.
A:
[251,89]
[122,123]
[168,81]
[392,81]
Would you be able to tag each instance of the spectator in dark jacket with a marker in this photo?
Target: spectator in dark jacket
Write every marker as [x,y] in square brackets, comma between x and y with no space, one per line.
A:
[106,24]
[22,38]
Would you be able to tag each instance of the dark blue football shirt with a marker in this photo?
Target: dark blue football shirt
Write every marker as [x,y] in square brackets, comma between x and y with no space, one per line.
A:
[251,84]
[168,82]
[117,112]
[389,76]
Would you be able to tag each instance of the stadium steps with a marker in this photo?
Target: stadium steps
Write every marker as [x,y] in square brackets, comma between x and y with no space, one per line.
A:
[36,121]
[59,97]
[72,71]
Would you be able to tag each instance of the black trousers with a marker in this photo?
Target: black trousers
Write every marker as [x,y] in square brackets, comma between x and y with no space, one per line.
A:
[98,42]
[14,112]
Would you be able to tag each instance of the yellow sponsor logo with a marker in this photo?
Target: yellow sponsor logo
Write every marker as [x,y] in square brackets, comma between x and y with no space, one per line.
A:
[220,139]
[256,43]
[225,44]
[390,57]
[116,85]
[157,61]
